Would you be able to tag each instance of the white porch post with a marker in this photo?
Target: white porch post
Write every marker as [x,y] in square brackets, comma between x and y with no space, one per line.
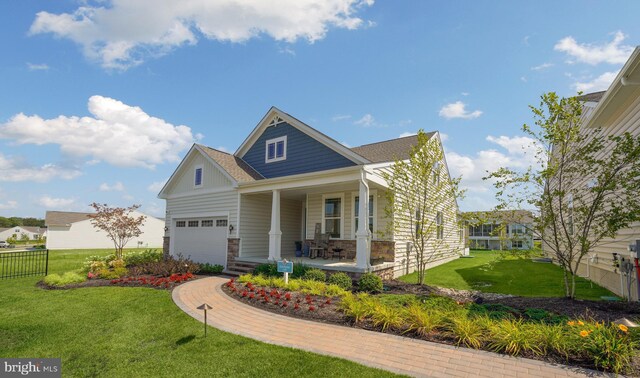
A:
[363,235]
[275,235]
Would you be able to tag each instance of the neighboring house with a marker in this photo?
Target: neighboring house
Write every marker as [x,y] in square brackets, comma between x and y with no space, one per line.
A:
[71,230]
[614,111]
[508,229]
[250,207]
[33,233]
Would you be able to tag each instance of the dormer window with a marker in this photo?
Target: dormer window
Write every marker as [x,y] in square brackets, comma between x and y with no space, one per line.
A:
[197,177]
[276,149]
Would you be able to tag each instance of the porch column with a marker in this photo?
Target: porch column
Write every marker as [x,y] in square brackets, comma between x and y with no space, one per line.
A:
[363,235]
[275,235]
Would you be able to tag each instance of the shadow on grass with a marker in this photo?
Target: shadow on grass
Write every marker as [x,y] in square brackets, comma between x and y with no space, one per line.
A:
[185,339]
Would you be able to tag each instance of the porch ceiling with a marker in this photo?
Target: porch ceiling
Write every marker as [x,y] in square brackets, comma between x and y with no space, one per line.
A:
[300,193]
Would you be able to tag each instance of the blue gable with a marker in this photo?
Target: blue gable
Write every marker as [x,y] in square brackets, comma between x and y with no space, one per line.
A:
[304,154]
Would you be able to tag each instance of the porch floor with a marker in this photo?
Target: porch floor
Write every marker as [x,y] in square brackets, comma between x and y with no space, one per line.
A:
[328,264]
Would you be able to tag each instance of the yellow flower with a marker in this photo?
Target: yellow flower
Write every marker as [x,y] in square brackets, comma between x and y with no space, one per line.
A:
[580,322]
[584,333]
[571,323]
[623,328]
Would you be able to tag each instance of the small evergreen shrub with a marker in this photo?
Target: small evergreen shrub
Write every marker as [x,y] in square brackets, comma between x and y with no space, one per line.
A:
[299,270]
[370,283]
[142,257]
[65,279]
[267,270]
[341,279]
[315,275]
[207,268]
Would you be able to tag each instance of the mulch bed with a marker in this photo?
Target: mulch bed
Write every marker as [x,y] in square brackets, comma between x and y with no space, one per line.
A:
[316,308]
[136,281]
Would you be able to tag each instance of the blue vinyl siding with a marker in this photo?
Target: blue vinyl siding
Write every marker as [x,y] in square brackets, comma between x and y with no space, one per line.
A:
[304,154]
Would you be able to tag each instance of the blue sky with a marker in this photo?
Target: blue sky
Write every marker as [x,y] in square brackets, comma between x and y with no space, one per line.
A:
[100,99]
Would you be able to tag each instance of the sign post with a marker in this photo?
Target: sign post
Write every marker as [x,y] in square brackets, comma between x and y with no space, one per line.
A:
[285,267]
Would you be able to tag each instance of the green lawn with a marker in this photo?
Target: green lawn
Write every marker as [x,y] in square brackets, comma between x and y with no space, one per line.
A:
[487,272]
[137,332]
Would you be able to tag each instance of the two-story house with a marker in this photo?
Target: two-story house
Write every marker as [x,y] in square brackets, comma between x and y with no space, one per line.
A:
[499,230]
[285,183]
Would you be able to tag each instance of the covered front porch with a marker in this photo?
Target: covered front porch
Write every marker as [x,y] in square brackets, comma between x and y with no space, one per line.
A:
[276,214]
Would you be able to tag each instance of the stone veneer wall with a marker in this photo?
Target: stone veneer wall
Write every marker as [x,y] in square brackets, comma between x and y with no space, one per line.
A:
[233,250]
[165,247]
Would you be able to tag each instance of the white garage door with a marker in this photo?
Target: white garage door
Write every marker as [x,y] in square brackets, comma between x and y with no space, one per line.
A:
[203,240]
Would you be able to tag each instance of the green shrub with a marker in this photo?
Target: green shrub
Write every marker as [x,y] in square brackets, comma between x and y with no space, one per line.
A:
[370,283]
[142,257]
[315,275]
[468,331]
[554,339]
[165,268]
[335,291]
[341,279]
[514,337]
[267,270]
[608,345]
[299,269]
[493,311]
[313,287]
[110,274]
[294,285]
[354,308]
[387,316]
[277,282]
[443,304]
[65,279]
[207,268]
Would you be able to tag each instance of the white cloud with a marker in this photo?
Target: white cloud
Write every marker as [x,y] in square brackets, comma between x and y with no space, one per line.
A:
[465,93]
[600,83]
[340,117]
[127,197]
[9,205]
[542,66]
[117,134]
[117,187]
[613,52]
[457,110]
[16,170]
[37,67]
[122,34]
[523,79]
[57,203]
[156,186]
[367,120]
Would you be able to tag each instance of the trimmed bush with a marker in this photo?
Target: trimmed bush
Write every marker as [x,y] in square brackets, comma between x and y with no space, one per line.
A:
[267,270]
[370,283]
[315,275]
[142,257]
[299,270]
[207,268]
[341,279]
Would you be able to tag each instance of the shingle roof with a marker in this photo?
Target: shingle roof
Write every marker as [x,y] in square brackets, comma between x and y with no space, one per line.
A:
[388,150]
[592,97]
[60,218]
[34,229]
[235,167]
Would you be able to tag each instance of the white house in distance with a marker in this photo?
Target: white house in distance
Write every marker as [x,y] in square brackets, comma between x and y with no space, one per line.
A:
[288,183]
[507,229]
[16,232]
[71,230]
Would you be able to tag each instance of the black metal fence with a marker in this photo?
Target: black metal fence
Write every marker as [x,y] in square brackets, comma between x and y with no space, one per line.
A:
[24,263]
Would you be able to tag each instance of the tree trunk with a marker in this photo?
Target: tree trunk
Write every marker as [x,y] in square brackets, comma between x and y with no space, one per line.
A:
[567,292]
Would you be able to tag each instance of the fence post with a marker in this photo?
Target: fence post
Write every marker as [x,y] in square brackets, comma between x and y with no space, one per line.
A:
[46,266]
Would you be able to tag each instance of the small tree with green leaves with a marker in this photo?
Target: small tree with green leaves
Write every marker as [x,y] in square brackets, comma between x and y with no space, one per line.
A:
[584,183]
[118,223]
[422,204]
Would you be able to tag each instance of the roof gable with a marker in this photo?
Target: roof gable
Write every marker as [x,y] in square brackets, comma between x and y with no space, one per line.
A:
[275,116]
[62,218]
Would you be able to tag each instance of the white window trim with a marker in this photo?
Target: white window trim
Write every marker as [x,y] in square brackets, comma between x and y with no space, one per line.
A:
[329,196]
[195,169]
[373,193]
[275,142]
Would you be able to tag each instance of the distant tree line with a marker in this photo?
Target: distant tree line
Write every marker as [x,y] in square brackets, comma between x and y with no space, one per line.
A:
[17,221]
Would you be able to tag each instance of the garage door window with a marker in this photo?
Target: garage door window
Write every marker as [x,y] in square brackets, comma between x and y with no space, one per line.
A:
[207,223]
[180,223]
[193,223]
[221,223]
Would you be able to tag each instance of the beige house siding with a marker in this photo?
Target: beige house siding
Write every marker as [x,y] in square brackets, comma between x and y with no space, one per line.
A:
[255,224]
[211,176]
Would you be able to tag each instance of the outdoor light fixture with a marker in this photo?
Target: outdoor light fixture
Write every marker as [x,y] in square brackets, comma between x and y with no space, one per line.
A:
[166,229]
[205,307]
[230,228]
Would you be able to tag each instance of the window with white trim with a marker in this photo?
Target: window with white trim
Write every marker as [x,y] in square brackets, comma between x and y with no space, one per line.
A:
[516,244]
[332,217]
[356,211]
[181,223]
[206,223]
[193,223]
[276,149]
[197,176]
[440,225]
[221,223]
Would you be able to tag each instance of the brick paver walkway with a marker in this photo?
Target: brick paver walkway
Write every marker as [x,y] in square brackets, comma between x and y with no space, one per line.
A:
[390,352]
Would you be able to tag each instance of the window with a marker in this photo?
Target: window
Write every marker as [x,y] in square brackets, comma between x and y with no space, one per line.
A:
[193,223]
[181,223]
[332,217]
[516,244]
[221,223]
[197,176]
[517,229]
[436,173]
[356,212]
[206,223]
[439,225]
[276,149]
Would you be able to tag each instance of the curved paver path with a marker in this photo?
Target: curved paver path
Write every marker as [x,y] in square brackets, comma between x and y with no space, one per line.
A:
[390,352]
